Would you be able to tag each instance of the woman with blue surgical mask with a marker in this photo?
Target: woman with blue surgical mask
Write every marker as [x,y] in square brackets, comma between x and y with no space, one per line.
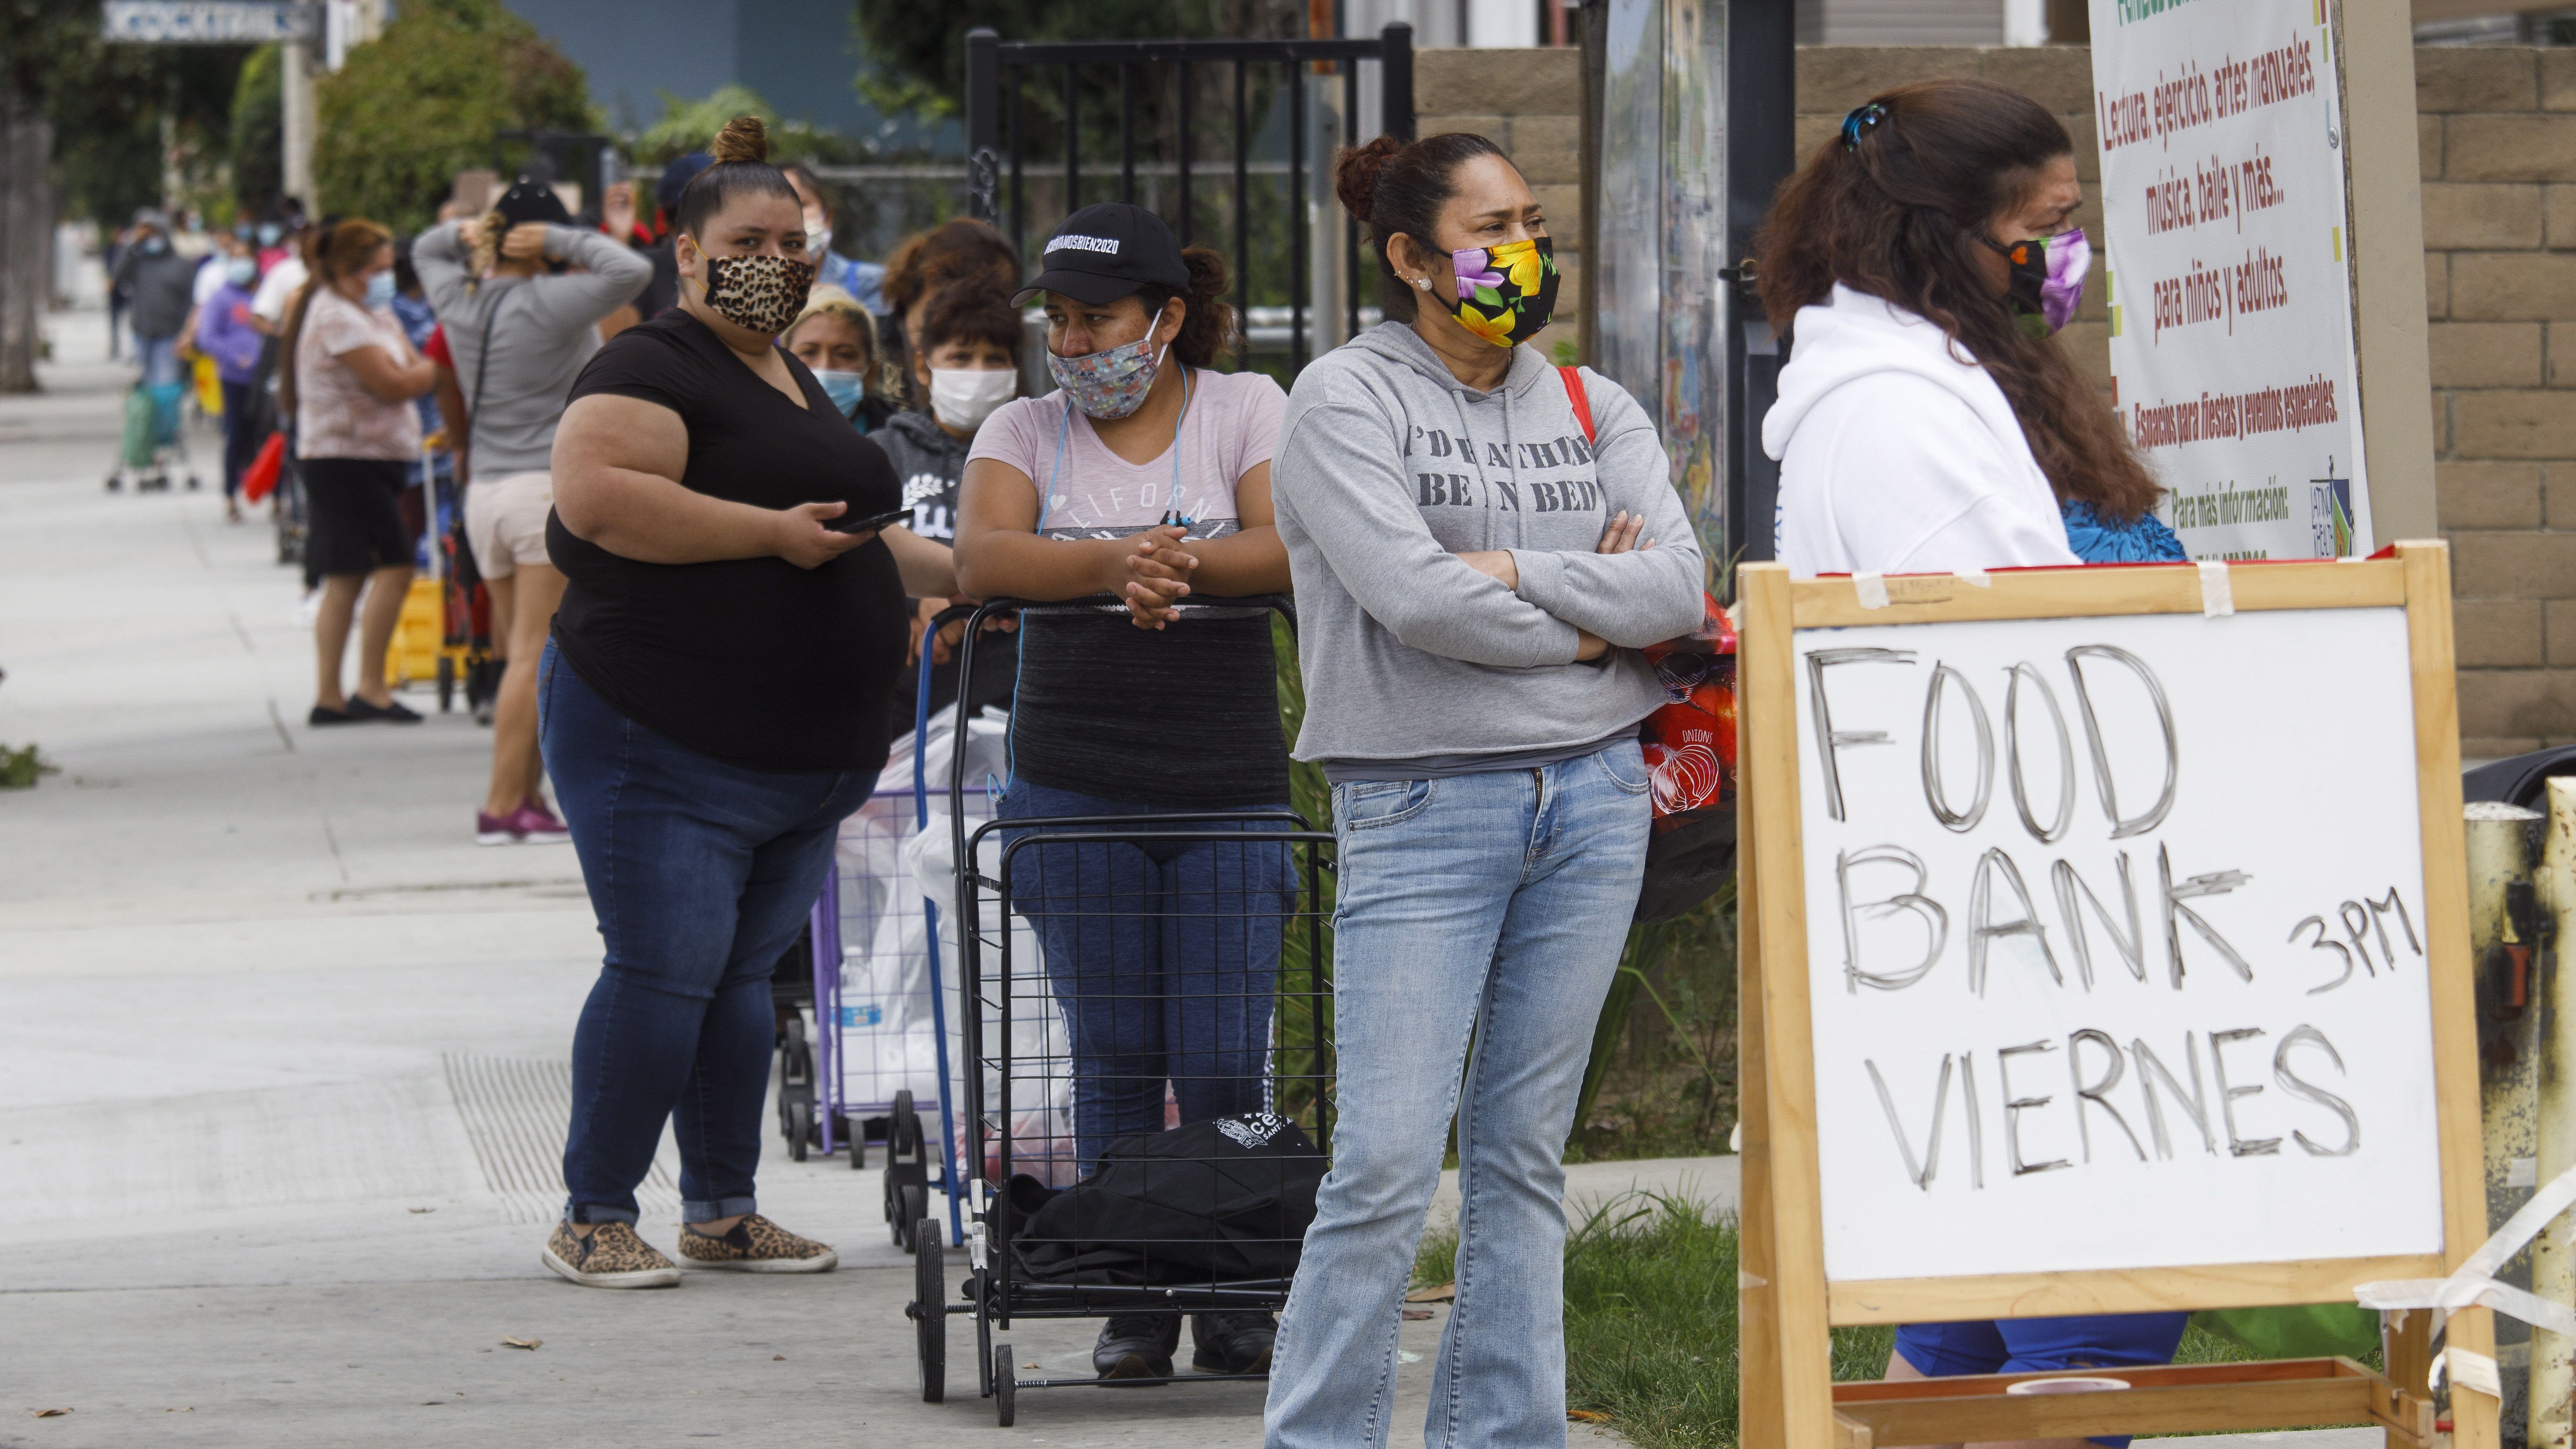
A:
[1144,476]
[836,338]
[348,376]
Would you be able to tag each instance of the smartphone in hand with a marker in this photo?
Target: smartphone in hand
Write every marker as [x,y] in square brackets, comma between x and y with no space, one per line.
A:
[848,524]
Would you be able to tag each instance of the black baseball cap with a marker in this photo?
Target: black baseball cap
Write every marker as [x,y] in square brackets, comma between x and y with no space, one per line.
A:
[1106,251]
[532,200]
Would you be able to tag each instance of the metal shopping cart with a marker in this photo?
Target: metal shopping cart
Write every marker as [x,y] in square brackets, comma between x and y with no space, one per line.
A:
[1253,955]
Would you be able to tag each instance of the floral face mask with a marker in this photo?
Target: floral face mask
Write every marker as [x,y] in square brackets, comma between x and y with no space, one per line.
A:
[1506,293]
[2047,278]
[759,294]
[1112,382]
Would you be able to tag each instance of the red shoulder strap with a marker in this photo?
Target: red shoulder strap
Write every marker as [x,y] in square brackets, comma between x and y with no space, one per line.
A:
[1574,394]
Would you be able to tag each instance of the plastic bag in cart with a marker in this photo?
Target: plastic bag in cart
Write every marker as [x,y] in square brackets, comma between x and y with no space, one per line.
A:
[1040,1050]
[887,1032]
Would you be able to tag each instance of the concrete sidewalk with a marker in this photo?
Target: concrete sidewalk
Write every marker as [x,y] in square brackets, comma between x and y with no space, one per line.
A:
[282,1059]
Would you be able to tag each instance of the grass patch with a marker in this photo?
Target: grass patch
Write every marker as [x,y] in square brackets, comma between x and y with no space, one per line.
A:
[22,767]
[1650,1321]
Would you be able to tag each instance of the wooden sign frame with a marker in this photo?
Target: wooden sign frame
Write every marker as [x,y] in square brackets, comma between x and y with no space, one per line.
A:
[1789,1399]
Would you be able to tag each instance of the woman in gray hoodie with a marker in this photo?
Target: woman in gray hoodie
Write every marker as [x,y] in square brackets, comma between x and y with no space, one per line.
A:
[1461,522]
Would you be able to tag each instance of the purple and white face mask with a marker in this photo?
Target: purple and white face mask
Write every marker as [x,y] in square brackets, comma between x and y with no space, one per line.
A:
[2048,278]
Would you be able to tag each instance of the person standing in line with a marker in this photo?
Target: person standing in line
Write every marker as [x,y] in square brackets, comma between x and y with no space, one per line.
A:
[285,266]
[962,250]
[161,287]
[712,704]
[1928,422]
[864,281]
[837,338]
[349,377]
[224,333]
[519,295]
[966,365]
[1487,869]
[1145,476]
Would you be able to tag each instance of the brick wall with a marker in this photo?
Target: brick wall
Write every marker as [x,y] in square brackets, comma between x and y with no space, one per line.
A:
[2498,133]
[1530,103]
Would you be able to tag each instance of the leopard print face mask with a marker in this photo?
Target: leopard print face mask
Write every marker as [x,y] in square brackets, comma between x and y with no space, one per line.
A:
[759,294]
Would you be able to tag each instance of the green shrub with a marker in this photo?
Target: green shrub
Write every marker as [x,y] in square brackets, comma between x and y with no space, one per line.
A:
[406,113]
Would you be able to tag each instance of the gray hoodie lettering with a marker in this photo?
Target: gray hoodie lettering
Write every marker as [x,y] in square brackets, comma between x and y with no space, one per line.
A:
[1388,468]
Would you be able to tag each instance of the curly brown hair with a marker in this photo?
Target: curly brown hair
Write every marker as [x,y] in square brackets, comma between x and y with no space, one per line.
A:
[1898,207]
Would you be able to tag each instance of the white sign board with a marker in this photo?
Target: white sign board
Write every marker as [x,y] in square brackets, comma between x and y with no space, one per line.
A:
[2124,967]
[2231,300]
[207,22]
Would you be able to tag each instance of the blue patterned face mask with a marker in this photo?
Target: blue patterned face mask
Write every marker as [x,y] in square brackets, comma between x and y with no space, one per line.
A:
[1111,383]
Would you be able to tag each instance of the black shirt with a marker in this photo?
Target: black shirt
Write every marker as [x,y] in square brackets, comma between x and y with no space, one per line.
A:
[1185,717]
[756,662]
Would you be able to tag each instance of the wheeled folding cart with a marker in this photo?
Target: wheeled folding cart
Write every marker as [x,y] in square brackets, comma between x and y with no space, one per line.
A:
[879,1061]
[1065,948]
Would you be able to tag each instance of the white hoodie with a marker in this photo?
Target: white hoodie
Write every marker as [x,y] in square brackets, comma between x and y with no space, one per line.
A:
[1898,457]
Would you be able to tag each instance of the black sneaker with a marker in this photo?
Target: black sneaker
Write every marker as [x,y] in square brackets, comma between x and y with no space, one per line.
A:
[1232,1343]
[1137,1346]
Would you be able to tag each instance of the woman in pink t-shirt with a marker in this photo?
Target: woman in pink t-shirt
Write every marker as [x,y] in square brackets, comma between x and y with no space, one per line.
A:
[1145,478]
[349,378]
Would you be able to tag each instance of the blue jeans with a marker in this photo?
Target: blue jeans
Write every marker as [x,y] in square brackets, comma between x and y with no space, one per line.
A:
[160,359]
[701,874]
[1490,907]
[2043,1345]
[1164,960]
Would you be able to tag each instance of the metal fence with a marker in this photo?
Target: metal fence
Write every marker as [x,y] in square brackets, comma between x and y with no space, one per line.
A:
[1051,127]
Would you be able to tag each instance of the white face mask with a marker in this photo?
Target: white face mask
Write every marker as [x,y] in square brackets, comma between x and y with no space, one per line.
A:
[818,236]
[963,397]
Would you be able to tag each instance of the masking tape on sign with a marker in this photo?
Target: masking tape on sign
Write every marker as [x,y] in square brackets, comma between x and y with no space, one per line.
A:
[2474,1371]
[1872,589]
[2217,594]
[2474,1285]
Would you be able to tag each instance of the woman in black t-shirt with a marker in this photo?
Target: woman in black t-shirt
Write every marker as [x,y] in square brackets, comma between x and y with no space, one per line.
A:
[712,703]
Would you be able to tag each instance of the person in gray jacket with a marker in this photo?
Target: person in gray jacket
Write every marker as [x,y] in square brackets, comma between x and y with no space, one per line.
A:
[1464,530]
[520,294]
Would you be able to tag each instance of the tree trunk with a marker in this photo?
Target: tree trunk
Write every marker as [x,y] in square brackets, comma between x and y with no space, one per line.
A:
[26,142]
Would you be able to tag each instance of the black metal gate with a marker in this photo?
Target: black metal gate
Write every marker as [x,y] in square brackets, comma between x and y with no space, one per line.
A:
[1002,137]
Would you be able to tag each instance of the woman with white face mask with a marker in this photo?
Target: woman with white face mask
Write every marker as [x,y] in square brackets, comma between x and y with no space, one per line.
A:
[1146,477]
[966,361]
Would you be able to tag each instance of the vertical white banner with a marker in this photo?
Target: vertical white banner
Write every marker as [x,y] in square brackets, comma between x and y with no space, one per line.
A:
[2231,296]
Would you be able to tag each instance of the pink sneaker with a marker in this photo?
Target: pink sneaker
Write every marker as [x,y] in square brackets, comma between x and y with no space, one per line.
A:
[537,825]
[499,829]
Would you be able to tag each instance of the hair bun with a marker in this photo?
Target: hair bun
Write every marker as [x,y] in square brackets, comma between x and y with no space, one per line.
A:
[1355,174]
[743,138]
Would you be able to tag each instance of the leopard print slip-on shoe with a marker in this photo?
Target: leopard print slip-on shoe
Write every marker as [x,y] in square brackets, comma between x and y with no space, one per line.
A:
[611,1257]
[756,1245]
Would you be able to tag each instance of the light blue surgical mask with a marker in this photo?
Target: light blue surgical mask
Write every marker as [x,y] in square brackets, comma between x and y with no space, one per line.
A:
[269,232]
[380,291]
[241,271]
[846,389]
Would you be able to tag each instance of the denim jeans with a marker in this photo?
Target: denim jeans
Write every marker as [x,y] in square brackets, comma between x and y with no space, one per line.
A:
[1164,959]
[701,874]
[1489,907]
[160,359]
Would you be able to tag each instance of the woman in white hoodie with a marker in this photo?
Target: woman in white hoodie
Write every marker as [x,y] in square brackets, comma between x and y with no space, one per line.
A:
[1926,422]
